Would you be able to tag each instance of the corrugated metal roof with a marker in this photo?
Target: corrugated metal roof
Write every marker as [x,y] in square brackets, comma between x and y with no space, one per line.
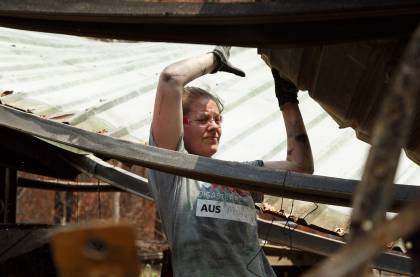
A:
[109,87]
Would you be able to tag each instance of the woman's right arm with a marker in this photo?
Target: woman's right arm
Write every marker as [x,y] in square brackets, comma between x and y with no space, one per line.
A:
[167,114]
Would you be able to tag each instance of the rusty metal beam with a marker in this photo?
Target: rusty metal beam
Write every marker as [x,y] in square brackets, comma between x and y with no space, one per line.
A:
[280,183]
[116,176]
[375,191]
[201,11]
[65,186]
[300,23]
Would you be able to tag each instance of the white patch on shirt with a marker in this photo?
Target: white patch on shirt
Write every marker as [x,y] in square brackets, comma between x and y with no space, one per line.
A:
[225,210]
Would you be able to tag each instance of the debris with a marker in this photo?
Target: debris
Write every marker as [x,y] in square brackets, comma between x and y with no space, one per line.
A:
[6,92]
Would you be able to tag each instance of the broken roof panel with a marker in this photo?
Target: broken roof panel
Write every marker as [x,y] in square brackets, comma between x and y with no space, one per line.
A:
[109,87]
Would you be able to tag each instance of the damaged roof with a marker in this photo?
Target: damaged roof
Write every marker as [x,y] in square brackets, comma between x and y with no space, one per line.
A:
[108,87]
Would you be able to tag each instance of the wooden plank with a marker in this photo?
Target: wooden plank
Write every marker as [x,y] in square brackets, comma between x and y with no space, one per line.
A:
[289,235]
[300,23]
[280,183]
[96,249]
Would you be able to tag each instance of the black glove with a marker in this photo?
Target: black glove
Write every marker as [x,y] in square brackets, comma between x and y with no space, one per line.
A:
[286,91]
[222,55]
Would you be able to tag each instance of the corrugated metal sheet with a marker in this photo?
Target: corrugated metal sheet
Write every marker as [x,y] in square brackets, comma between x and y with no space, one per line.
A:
[109,87]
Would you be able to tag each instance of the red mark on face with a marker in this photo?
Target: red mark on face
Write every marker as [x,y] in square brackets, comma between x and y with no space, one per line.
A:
[185,120]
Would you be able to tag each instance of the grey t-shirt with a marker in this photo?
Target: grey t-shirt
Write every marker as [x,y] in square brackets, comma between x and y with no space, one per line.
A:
[211,229]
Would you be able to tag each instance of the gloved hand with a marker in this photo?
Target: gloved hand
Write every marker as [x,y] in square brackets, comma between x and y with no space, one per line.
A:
[286,91]
[222,55]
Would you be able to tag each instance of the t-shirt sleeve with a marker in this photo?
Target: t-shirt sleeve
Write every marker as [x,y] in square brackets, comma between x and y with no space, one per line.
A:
[165,188]
[162,184]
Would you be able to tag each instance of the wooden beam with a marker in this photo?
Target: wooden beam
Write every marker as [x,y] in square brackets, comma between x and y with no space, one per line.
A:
[280,183]
[300,23]
[96,249]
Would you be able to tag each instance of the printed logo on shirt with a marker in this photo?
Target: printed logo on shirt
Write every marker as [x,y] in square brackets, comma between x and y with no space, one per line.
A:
[223,193]
[225,210]
[222,202]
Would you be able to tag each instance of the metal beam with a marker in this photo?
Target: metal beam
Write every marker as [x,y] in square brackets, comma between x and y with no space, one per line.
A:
[116,176]
[279,183]
[156,12]
[65,186]
[300,23]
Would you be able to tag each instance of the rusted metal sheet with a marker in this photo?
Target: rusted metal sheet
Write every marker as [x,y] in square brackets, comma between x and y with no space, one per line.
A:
[369,246]
[309,213]
[288,234]
[254,24]
[108,87]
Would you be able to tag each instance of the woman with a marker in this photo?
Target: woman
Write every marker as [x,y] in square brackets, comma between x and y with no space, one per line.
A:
[211,229]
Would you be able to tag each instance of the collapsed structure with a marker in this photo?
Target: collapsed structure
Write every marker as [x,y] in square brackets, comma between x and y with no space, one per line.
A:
[301,24]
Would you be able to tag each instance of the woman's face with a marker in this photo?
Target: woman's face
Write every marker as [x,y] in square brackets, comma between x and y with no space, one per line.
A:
[202,127]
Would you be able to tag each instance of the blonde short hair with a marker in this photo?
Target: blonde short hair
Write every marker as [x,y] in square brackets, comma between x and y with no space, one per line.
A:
[191,93]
